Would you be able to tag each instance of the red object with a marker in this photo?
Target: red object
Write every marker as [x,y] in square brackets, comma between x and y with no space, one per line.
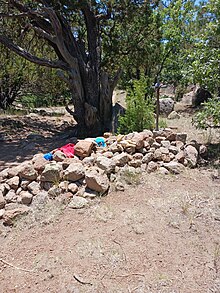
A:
[68,150]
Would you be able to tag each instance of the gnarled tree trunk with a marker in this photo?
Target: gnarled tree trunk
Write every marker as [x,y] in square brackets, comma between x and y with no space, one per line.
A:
[79,64]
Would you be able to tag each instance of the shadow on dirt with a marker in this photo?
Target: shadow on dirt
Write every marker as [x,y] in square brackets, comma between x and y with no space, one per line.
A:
[23,137]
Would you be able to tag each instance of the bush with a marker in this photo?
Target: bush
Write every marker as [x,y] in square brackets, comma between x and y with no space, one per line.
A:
[209,116]
[140,108]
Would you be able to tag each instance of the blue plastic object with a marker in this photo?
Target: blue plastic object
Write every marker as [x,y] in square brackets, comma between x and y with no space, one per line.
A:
[100,141]
[48,157]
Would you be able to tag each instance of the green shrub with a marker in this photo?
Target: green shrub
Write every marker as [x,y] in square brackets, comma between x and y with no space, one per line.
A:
[209,115]
[140,108]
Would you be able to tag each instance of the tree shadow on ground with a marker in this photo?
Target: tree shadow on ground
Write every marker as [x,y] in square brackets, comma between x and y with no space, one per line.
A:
[22,138]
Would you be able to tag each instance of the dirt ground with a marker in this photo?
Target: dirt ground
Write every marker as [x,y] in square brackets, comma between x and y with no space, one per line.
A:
[160,236]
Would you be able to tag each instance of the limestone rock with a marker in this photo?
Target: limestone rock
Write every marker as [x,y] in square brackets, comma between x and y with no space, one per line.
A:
[11,196]
[119,186]
[121,159]
[165,144]
[139,140]
[52,172]
[77,202]
[191,155]
[163,171]
[174,167]
[26,197]
[13,182]
[135,163]
[72,187]
[173,149]
[138,156]
[152,167]
[34,188]
[83,148]
[158,155]
[64,186]
[27,171]
[74,172]
[147,158]
[10,215]
[59,156]
[106,164]
[97,180]
[39,162]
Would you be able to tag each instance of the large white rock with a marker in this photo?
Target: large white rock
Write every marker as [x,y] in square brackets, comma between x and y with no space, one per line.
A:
[174,167]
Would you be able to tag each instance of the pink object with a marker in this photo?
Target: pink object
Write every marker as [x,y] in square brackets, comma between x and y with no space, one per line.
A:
[68,150]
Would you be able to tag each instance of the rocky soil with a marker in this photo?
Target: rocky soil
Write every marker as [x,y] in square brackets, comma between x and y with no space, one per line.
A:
[157,230]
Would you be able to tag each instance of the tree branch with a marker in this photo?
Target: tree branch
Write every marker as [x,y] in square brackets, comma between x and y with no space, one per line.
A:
[34,59]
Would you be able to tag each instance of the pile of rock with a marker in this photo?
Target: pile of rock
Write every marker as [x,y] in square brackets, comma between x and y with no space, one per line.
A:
[93,168]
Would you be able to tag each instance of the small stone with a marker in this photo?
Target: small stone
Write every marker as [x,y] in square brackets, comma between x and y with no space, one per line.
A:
[12,172]
[179,145]
[156,145]
[121,159]
[34,188]
[147,158]
[203,151]
[174,167]
[39,162]
[135,163]
[166,158]
[108,154]
[13,182]
[26,197]
[151,167]
[163,171]
[165,144]
[72,187]
[83,148]
[78,202]
[106,164]
[191,155]
[159,139]
[88,161]
[11,196]
[119,186]
[59,156]
[164,151]
[2,211]
[138,156]
[64,185]
[157,155]
[24,184]
[173,149]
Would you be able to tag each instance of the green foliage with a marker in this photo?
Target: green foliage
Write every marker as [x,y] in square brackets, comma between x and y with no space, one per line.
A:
[140,108]
[209,116]
[40,100]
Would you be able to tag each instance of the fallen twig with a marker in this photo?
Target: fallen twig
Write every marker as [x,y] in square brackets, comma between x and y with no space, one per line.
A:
[125,259]
[80,281]
[17,268]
